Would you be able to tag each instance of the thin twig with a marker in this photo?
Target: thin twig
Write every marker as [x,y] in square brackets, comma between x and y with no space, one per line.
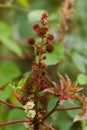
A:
[67,109]
[48,126]
[11,105]
[51,111]
[14,7]
[15,121]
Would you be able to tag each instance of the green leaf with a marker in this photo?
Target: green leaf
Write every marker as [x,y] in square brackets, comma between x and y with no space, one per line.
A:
[82,79]
[63,121]
[79,62]
[15,115]
[71,113]
[51,104]
[84,125]
[55,57]
[6,94]
[12,45]
[5,30]
[8,72]
[5,33]
[24,3]
[35,15]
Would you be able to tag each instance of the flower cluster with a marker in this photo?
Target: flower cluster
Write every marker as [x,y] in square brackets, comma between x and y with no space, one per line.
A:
[42,32]
[33,90]
[29,109]
[39,67]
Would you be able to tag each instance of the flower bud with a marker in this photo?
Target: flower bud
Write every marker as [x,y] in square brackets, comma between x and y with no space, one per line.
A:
[50,37]
[49,48]
[31,114]
[31,41]
[44,18]
[41,31]
[29,105]
[44,73]
[35,26]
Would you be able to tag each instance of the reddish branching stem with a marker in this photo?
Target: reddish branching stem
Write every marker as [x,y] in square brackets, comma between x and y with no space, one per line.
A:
[11,105]
[51,112]
[15,121]
[60,109]
[48,126]
[67,109]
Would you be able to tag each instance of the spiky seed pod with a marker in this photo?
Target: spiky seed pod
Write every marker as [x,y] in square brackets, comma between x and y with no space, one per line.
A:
[49,48]
[31,41]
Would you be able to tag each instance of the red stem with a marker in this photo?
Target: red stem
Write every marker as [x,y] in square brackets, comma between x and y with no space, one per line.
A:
[48,126]
[65,109]
[15,121]
[11,105]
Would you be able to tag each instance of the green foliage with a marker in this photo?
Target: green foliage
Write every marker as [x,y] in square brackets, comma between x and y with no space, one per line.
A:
[63,121]
[55,57]
[8,72]
[82,79]
[79,62]
[12,45]
[5,30]
[81,18]
[20,23]
[84,125]
[71,113]
[15,115]
[5,33]
[24,3]
[51,104]
[34,16]
[6,94]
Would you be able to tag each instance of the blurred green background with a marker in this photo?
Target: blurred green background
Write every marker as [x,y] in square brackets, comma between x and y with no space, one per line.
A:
[16,19]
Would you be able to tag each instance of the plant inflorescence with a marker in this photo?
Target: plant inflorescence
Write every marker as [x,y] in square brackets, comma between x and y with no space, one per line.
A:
[34,90]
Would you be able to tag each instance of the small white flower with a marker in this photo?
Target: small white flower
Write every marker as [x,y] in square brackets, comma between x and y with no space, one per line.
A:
[31,114]
[29,105]
[29,109]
